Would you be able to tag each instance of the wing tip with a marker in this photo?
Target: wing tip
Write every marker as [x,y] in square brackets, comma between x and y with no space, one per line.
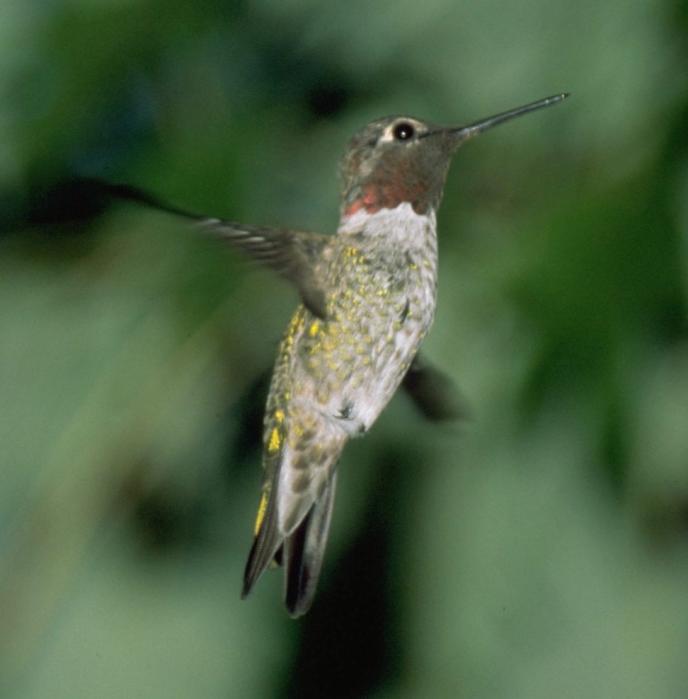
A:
[250,571]
[266,546]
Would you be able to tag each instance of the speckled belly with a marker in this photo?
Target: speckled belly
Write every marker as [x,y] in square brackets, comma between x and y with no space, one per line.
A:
[350,366]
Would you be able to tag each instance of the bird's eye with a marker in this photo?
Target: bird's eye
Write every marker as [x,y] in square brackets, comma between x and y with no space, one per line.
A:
[403,131]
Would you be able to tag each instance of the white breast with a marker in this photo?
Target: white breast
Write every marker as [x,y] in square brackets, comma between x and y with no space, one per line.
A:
[411,240]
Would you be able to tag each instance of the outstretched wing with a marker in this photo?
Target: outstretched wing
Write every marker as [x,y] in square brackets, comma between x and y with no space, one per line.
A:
[292,254]
[295,255]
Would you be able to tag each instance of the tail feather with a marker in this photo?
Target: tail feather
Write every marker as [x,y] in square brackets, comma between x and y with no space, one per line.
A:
[292,526]
[304,550]
[266,546]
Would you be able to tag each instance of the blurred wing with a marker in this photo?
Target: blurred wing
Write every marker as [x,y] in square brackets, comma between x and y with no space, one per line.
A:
[433,392]
[292,254]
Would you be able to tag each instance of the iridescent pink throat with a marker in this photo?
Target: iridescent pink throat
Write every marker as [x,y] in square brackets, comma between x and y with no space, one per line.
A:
[377,195]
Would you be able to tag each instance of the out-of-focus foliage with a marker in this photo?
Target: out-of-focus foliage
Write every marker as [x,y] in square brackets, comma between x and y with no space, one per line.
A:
[538,550]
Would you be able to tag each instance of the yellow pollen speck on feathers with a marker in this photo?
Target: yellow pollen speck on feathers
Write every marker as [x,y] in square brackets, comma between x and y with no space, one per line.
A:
[275,441]
[262,509]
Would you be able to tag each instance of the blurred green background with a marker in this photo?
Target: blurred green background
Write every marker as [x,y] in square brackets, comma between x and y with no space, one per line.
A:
[540,548]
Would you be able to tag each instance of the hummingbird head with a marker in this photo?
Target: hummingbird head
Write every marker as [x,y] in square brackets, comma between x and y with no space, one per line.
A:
[394,160]
[401,159]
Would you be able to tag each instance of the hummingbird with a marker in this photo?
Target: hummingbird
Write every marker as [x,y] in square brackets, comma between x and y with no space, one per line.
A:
[368,295]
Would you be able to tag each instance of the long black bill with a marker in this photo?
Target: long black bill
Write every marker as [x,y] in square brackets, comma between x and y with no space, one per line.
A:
[463,133]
